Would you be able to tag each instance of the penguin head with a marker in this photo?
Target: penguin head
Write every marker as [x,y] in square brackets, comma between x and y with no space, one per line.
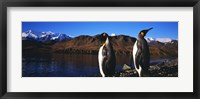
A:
[144,32]
[103,37]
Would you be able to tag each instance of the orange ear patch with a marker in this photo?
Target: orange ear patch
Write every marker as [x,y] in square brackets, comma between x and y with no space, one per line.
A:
[142,33]
[104,34]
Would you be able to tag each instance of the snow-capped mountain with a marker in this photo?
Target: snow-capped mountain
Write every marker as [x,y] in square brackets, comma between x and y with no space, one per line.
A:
[29,35]
[163,40]
[150,39]
[60,37]
[44,36]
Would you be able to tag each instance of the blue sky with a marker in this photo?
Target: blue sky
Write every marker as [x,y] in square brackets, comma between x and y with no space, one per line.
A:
[160,29]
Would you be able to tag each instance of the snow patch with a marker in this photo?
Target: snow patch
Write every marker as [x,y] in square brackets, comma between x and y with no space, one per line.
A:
[163,40]
[113,34]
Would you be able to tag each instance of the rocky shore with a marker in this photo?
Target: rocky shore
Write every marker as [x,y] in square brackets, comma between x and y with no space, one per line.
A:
[167,68]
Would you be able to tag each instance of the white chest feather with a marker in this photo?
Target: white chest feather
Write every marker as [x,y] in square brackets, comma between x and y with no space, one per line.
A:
[134,52]
[134,57]
[100,59]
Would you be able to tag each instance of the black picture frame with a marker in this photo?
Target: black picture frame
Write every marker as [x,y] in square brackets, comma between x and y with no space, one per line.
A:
[99,3]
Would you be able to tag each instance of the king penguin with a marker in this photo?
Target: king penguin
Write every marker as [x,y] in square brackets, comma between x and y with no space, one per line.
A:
[141,54]
[106,57]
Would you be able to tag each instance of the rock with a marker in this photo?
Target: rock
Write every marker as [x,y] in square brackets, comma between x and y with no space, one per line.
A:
[126,67]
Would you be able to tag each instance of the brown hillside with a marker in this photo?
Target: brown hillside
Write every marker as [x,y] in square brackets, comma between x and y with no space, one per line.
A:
[122,45]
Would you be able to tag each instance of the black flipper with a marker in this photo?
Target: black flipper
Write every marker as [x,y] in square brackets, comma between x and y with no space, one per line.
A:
[131,62]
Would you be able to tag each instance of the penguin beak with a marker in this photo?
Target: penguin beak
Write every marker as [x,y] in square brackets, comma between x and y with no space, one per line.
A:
[149,29]
[144,33]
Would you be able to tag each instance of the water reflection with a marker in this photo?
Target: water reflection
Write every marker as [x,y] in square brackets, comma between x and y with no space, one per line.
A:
[65,65]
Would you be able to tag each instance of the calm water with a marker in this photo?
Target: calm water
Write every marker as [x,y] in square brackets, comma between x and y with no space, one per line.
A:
[65,65]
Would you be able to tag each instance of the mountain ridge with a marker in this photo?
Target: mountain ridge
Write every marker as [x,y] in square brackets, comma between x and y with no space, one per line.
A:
[85,44]
[122,44]
[44,36]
